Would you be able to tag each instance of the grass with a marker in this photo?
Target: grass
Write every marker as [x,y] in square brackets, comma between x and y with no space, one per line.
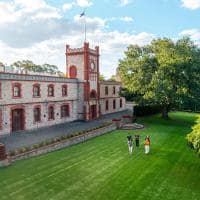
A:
[102,169]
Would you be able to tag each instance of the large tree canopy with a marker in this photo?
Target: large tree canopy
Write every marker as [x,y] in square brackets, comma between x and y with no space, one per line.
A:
[28,65]
[164,72]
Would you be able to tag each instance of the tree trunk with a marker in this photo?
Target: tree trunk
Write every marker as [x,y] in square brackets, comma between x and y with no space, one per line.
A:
[165,111]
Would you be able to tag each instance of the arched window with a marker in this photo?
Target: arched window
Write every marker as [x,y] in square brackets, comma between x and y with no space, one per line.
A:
[93,94]
[17,90]
[106,90]
[114,104]
[64,111]
[64,90]
[51,112]
[72,72]
[37,114]
[107,105]
[36,90]
[51,90]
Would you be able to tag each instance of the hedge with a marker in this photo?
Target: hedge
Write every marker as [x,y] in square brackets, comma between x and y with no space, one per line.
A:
[193,138]
[146,110]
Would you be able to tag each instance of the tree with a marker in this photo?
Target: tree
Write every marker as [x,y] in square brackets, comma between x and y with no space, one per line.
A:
[161,73]
[101,77]
[29,66]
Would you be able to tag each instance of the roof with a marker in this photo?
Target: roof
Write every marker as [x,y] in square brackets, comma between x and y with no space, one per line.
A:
[110,82]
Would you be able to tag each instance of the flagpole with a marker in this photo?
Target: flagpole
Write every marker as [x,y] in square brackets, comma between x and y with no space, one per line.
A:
[85,27]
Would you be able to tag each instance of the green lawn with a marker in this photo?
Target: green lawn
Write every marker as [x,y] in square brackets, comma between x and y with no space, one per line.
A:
[102,168]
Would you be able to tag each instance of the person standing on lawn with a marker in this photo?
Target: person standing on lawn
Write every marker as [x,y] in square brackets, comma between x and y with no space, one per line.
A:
[147,145]
[130,144]
[137,140]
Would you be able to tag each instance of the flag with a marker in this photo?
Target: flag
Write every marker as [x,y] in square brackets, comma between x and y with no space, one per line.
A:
[82,14]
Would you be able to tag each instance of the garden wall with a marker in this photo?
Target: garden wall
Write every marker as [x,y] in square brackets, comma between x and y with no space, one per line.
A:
[59,145]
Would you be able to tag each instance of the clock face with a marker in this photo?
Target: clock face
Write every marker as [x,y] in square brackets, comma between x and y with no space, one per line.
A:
[92,66]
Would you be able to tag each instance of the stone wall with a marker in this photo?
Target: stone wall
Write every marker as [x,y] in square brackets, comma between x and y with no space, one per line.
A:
[63,144]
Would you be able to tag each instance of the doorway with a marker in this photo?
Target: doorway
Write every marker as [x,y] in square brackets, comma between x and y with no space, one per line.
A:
[93,111]
[17,120]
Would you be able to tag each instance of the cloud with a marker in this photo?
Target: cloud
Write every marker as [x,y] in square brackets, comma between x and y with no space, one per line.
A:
[194,34]
[125,2]
[126,19]
[191,4]
[67,6]
[39,33]
[84,3]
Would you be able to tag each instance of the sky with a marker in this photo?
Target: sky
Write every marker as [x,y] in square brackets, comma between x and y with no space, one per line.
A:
[38,30]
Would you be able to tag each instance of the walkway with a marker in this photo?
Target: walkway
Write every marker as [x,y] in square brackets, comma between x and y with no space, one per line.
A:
[27,138]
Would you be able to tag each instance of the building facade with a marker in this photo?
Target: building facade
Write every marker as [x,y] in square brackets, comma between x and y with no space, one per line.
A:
[33,101]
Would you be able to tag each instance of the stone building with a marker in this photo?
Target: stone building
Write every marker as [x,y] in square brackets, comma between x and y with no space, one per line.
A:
[33,101]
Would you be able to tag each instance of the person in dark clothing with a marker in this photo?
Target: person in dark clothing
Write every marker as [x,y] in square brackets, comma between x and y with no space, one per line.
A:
[130,144]
[137,140]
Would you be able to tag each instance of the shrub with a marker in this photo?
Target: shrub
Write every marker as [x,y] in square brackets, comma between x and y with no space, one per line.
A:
[12,153]
[193,138]
[146,110]
[41,144]
[35,146]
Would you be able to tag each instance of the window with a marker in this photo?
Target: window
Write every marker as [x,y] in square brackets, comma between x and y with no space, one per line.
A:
[107,105]
[120,103]
[16,90]
[36,90]
[72,72]
[64,90]
[93,94]
[37,114]
[65,111]
[114,104]
[51,90]
[1,121]
[106,90]
[51,112]
[114,90]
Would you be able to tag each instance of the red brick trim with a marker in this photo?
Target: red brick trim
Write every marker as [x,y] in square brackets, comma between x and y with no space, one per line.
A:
[72,71]
[19,85]
[68,115]
[23,116]
[52,105]
[36,85]
[35,107]
[66,88]
[48,92]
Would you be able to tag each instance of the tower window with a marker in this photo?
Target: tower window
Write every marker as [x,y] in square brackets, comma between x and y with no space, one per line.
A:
[72,72]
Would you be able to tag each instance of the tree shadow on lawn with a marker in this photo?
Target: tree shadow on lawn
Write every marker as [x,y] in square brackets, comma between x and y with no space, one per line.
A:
[177,119]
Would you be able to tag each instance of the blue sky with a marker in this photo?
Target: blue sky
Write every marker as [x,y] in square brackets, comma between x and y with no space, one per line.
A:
[39,29]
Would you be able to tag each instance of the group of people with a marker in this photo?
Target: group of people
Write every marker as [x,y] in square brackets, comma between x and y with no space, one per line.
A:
[137,143]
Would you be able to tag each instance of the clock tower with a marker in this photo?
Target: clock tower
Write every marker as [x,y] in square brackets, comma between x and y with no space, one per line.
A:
[83,64]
